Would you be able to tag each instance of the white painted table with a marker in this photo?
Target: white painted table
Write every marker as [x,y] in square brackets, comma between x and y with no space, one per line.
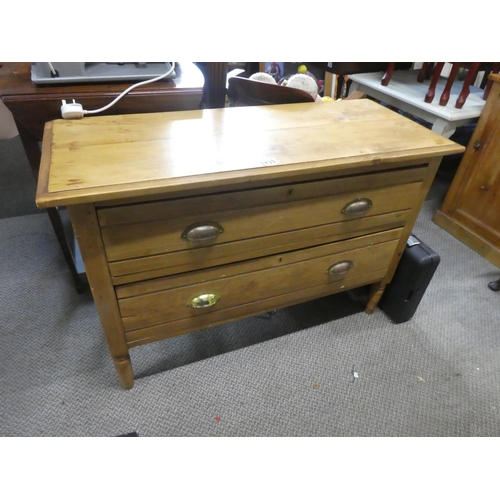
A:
[404,92]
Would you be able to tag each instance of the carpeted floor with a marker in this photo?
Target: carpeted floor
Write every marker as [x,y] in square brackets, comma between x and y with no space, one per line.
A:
[286,374]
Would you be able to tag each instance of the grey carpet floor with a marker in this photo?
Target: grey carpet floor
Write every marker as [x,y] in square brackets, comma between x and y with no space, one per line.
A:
[286,374]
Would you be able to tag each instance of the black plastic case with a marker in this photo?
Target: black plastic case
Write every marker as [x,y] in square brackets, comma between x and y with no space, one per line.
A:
[415,270]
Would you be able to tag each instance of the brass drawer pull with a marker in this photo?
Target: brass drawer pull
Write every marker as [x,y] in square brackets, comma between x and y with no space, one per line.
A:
[358,206]
[202,231]
[341,267]
[204,300]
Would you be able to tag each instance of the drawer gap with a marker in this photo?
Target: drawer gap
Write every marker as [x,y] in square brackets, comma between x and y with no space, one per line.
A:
[167,330]
[417,164]
[251,265]
[151,303]
[148,212]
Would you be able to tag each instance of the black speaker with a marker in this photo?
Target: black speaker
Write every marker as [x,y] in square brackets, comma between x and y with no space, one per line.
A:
[415,270]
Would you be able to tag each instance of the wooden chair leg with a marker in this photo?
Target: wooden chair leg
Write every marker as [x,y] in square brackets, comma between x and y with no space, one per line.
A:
[445,96]
[496,69]
[432,87]
[423,72]
[467,83]
[429,70]
[388,74]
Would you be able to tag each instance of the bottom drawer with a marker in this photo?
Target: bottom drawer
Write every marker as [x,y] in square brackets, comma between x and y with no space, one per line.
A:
[181,303]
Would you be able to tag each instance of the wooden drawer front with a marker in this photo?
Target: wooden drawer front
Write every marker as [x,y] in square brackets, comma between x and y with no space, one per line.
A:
[163,237]
[146,268]
[198,322]
[168,299]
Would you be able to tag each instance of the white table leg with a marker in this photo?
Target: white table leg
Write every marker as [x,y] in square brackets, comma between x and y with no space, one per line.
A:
[354,86]
[444,128]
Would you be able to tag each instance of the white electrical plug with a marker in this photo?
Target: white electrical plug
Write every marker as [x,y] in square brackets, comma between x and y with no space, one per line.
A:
[72,110]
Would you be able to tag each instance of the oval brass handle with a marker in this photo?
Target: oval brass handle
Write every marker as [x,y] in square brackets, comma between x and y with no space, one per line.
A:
[202,231]
[341,267]
[204,300]
[358,206]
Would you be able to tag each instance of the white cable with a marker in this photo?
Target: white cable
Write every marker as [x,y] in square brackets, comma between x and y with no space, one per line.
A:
[74,110]
[169,72]
[52,69]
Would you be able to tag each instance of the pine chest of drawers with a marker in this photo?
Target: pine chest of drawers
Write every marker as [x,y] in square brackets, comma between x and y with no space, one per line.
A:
[190,219]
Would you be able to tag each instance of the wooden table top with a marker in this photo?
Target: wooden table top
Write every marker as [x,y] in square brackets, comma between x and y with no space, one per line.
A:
[114,157]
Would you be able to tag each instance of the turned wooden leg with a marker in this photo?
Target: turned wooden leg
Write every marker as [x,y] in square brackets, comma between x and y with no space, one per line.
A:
[374,297]
[494,285]
[124,371]
[88,233]
[388,74]
[422,72]
[432,87]
[425,71]
[467,83]
[445,96]
[430,69]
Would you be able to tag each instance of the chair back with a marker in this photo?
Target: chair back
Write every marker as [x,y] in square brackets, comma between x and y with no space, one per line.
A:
[245,92]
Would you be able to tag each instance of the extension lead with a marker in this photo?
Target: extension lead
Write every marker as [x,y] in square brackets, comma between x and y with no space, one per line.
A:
[75,111]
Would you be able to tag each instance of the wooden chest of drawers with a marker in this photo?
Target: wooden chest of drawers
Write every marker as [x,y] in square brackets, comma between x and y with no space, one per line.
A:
[187,220]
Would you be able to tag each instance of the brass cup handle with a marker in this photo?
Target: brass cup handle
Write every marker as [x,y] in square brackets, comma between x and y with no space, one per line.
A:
[202,231]
[204,300]
[339,268]
[358,206]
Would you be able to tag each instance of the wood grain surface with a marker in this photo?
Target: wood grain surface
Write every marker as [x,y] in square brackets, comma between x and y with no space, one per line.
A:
[115,157]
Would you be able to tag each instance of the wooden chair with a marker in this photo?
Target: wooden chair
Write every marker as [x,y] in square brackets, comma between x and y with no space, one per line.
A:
[473,69]
[433,71]
[245,92]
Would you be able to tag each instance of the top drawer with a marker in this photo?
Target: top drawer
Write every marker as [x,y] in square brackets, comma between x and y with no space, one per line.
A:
[197,230]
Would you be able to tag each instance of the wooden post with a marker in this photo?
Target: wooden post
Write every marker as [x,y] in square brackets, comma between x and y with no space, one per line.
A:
[88,234]
[432,87]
